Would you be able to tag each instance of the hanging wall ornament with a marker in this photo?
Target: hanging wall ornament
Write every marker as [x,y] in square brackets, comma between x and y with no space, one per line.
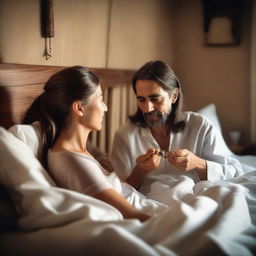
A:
[47,25]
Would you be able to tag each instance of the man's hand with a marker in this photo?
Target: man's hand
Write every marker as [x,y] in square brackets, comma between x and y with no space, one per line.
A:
[145,164]
[149,161]
[185,160]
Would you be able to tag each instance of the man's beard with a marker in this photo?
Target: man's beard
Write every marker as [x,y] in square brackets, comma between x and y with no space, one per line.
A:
[160,120]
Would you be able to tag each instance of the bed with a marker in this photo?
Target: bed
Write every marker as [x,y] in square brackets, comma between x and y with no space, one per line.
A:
[39,218]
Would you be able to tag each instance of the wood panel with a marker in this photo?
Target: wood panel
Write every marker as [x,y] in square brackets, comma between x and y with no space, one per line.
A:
[14,100]
[21,74]
[21,84]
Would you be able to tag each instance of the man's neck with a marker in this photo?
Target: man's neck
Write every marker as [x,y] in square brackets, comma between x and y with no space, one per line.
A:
[161,130]
[161,133]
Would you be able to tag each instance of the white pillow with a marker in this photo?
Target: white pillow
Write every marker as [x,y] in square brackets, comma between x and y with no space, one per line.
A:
[38,201]
[210,112]
[29,134]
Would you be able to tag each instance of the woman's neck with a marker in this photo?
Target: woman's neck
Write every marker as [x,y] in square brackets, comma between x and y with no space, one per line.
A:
[72,139]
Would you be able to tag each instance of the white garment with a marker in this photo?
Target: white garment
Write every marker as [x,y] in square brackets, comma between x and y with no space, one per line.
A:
[198,136]
[84,174]
[80,173]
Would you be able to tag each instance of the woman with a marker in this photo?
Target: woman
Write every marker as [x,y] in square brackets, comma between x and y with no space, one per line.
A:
[69,109]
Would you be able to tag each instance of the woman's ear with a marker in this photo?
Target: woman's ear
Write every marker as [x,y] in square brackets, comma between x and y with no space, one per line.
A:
[78,108]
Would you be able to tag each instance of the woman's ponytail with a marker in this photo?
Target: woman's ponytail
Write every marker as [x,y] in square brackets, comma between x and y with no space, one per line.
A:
[38,112]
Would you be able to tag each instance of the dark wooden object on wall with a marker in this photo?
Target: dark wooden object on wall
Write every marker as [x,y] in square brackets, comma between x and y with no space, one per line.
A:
[47,25]
[47,21]
[21,84]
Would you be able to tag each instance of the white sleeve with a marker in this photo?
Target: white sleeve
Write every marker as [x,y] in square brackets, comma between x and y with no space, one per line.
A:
[220,165]
[121,157]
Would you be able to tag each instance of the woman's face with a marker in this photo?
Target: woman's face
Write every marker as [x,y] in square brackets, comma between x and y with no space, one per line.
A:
[95,110]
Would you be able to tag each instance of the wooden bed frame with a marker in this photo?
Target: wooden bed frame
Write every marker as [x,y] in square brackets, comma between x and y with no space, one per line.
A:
[20,84]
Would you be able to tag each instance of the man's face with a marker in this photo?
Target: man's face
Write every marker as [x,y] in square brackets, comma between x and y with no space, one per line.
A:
[154,102]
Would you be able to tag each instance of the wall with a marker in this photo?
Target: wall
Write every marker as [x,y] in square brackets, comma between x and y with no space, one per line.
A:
[126,34]
[140,31]
[95,33]
[80,32]
[219,75]
[253,73]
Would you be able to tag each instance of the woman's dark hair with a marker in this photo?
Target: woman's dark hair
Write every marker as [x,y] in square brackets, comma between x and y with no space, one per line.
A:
[161,73]
[51,109]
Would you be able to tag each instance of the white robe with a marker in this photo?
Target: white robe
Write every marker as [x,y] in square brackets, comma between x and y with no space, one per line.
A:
[198,136]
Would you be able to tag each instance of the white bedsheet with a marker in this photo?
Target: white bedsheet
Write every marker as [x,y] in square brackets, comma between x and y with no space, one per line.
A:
[203,219]
[213,219]
[248,162]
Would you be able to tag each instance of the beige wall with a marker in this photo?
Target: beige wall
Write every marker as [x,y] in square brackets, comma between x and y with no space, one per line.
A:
[253,73]
[219,75]
[140,31]
[96,33]
[80,32]
[126,34]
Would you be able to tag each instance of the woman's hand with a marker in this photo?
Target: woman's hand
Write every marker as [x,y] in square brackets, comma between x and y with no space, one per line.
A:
[115,199]
[185,160]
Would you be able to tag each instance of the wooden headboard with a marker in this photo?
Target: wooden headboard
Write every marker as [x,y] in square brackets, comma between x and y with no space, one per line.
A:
[20,84]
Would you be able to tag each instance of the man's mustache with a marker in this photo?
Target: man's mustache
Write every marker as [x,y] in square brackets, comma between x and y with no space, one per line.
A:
[153,113]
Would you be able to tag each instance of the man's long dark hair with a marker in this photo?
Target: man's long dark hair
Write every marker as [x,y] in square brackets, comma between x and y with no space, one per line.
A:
[161,73]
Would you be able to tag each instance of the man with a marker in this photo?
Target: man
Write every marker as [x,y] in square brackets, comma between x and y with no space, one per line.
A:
[161,142]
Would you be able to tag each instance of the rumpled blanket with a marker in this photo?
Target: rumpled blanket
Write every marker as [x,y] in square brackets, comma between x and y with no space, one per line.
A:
[202,219]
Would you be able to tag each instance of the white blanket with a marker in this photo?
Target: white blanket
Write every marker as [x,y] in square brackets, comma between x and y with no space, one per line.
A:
[203,219]
[214,220]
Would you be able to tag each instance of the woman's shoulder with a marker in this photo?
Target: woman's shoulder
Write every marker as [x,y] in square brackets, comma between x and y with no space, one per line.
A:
[71,157]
